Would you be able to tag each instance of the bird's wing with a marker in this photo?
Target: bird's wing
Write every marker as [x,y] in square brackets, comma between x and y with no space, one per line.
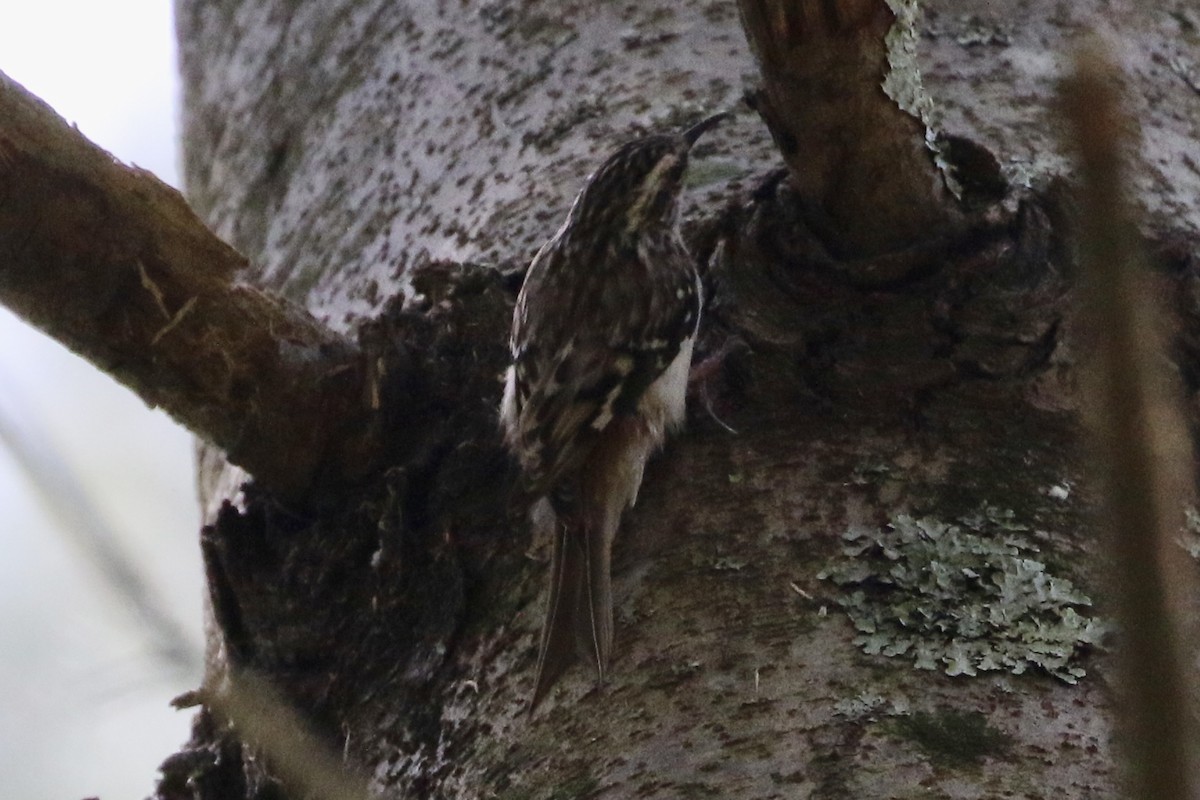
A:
[589,353]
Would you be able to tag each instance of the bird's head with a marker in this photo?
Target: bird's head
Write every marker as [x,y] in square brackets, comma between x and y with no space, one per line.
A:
[638,186]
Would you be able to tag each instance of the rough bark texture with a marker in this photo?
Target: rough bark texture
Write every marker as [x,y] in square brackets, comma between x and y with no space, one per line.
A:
[398,162]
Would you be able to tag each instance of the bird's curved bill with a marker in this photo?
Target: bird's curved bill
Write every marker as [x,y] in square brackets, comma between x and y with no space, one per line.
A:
[704,126]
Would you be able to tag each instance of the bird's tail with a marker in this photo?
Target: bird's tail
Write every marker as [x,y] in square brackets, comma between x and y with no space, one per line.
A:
[579,617]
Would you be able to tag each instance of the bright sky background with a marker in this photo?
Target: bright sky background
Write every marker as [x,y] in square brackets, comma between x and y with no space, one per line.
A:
[83,710]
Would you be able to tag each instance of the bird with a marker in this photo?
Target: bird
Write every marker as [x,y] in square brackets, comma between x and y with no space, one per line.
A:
[601,343]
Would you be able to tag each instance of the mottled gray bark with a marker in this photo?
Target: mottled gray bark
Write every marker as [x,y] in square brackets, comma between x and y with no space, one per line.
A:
[395,163]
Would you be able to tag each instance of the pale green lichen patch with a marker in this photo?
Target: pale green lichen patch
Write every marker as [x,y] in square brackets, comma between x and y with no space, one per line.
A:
[902,82]
[865,706]
[1189,536]
[966,598]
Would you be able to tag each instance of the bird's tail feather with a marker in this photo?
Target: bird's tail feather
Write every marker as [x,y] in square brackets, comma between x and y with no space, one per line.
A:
[558,632]
[594,615]
[579,616]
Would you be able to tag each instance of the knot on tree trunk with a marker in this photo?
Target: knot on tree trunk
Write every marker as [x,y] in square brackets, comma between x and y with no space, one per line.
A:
[985,301]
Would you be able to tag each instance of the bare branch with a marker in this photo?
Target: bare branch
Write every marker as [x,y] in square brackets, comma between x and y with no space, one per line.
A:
[113,263]
[842,97]
[1142,439]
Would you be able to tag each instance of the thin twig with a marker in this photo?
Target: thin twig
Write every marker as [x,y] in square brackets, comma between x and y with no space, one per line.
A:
[1141,438]
[84,525]
[269,725]
[258,713]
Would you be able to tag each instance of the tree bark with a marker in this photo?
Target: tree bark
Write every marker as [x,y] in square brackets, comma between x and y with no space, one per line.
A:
[391,168]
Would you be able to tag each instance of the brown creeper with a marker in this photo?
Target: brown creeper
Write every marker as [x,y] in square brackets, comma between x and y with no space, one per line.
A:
[601,343]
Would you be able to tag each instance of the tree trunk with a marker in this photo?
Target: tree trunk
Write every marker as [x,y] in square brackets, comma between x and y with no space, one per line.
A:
[889,391]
